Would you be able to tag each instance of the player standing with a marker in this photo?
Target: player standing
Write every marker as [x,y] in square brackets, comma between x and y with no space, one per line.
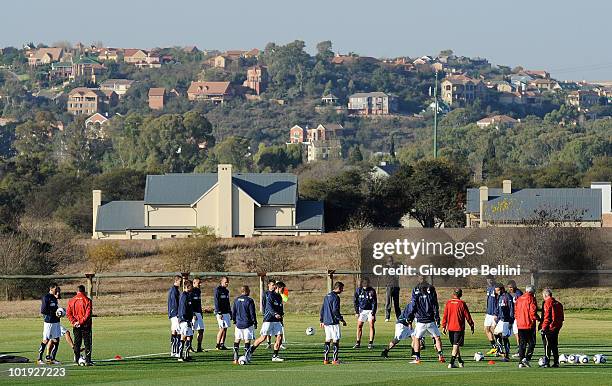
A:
[491,311]
[51,325]
[272,323]
[425,311]
[245,320]
[515,293]
[173,303]
[79,313]
[196,302]
[456,313]
[423,283]
[365,310]
[504,318]
[185,316]
[552,321]
[223,311]
[330,319]
[525,320]
[271,289]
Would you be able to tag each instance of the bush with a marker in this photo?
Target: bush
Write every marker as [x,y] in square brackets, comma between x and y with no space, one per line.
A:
[197,254]
[102,256]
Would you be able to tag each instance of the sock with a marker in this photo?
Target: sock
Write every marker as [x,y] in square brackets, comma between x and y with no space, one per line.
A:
[413,352]
[358,343]
[175,344]
[417,354]
[371,342]
[218,345]
[252,349]
[54,350]
[246,347]
[492,343]
[459,358]
[336,351]
[41,351]
[187,348]
[275,353]
[326,351]
[453,357]
[181,348]
[440,353]
[236,349]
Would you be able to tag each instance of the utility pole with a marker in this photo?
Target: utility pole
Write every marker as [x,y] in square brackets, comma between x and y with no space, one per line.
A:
[435,128]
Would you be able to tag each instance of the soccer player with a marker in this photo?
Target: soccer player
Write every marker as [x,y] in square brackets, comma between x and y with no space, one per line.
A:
[271,289]
[185,316]
[79,314]
[245,320]
[173,303]
[51,325]
[504,318]
[425,311]
[365,310]
[489,322]
[456,313]
[403,331]
[223,311]
[392,294]
[552,321]
[196,302]
[525,320]
[515,293]
[330,319]
[272,323]
[423,283]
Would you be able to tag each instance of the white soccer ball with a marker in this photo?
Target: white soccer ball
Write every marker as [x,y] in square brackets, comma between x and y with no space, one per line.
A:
[543,361]
[242,360]
[479,356]
[82,361]
[583,359]
[599,359]
[562,358]
[310,331]
[571,358]
[60,312]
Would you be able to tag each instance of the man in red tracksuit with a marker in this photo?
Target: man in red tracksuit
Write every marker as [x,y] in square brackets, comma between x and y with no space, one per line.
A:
[79,314]
[552,321]
[456,313]
[525,318]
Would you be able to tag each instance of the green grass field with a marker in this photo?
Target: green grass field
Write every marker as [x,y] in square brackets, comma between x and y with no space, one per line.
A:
[139,338]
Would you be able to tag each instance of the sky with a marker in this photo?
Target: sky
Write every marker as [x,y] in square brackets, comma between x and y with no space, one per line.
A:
[568,38]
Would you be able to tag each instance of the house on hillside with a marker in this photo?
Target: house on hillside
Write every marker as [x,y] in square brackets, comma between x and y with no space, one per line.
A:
[119,86]
[458,90]
[97,118]
[45,55]
[319,143]
[232,204]
[257,79]
[582,99]
[86,67]
[157,98]
[587,207]
[372,103]
[216,92]
[497,121]
[134,55]
[88,101]
[384,169]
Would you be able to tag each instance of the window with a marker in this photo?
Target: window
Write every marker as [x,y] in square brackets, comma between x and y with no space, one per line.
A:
[153,237]
[173,236]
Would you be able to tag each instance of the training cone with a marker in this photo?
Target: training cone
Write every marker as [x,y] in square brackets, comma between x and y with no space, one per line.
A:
[118,357]
[491,362]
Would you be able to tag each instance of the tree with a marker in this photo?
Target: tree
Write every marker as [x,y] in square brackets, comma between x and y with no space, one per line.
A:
[600,171]
[355,155]
[324,50]
[34,136]
[102,256]
[81,149]
[197,254]
[233,150]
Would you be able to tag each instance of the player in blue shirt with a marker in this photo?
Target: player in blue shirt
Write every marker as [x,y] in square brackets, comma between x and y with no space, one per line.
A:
[51,325]
[245,321]
[330,319]
[505,318]
[365,310]
[271,288]
[185,316]
[491,310]
[223,311]
[173,303]
[403,331]
[425,310]
[515,293]
[196,301]
[272,323]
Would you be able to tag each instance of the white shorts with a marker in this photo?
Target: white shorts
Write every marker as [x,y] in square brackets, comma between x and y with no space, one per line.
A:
[244,333]
[402,332]
[174,324]
[224,320]
[489,320]
[185,329]
[422,328]
[332,332]
[51,331]
[365,315]
[503,328]
[198,322]
[515,328]
[271,328]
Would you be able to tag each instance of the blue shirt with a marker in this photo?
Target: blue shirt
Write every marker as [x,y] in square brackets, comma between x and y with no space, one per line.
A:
[365,299]
[491,301]
[405,315]
[243,312]
[173,301]
[330,310]
[222,301]
[265,299]
[517,294]
[196,300]
[274,305]
[424,306]
[505,308]
[48,308]
[185,309]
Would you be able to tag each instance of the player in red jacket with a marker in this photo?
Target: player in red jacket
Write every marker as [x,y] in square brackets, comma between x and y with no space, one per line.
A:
[456,313]
[552,321]
[79,313]
[525,318]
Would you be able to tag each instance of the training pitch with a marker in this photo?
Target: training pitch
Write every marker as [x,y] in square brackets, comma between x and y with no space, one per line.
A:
[143,343]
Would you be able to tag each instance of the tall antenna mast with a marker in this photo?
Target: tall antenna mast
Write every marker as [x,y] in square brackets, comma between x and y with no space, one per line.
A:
[435,128]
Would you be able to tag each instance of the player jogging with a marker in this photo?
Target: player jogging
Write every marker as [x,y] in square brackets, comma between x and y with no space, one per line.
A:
[330,319]
[196,302]
[552,321]
[489,321]
[515,293]
[245,321]
[223,311]
[525,321]
[425,311]
[504,318]
[456,313]
[173,303]
[185,316]
[51,325]
[272,323]
[365,310]
[403,331]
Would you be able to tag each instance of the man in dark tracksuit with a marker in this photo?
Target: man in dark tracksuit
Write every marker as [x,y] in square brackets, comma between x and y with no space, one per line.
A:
[505,319]
[366,305]
[432,290]
[271,288]
[552,321]
[173,303]
[245,320]
[51,325]
[330,318]
[185,316]
[272,323]
[223,311]
[392,295]
[491,311]
[516,293]
[427,314]
[525,318]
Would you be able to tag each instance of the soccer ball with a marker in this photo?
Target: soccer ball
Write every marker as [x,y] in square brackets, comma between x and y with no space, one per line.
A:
[562,358]
[82,361]
[542,361]
[242,360]
[599,358]
[583,359]
[478,356]
[571,358]
[60,312]
[310,331]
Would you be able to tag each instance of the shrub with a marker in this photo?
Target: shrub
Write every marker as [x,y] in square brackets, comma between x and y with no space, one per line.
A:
[197,254]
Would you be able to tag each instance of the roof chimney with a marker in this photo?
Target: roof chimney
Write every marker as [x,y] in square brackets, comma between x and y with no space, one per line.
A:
[97,201]
[507,186]
[224,206]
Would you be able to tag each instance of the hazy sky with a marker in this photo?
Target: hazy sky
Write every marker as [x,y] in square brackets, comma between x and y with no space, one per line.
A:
[569,38]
